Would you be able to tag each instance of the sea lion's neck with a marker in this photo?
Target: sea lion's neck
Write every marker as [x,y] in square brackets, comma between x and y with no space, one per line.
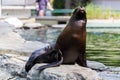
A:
[75,18]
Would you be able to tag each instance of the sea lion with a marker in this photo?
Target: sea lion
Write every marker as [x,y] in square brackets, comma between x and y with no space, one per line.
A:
[70,45]
[72,40]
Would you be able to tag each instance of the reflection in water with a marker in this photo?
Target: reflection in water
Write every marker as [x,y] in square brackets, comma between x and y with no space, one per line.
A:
[102,47]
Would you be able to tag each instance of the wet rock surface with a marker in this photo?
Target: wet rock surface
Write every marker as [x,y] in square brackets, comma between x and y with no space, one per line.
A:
[5,28]
[32,25]
[64,72]
[14,22]
[14,43]
[12,67]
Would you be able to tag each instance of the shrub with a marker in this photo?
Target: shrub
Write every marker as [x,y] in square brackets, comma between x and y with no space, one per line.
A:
[96,12]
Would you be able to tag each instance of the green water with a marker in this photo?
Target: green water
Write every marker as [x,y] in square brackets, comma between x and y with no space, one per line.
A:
[102,47]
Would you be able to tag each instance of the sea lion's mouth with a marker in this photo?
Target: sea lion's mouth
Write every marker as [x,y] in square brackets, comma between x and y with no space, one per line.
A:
[82,10]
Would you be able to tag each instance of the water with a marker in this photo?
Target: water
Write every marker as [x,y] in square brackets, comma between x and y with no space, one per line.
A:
[102,47]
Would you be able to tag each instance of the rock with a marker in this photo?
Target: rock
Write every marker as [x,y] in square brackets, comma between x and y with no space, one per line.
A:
[13,43]
[4,75]
[10,66]
[32,25]
[114,69]
[5,28]
[63,72]
[14,21]
[96,65]
[59,26]
[110,75]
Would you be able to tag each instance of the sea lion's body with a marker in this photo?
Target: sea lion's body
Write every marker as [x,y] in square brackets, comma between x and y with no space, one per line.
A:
[70,46]
[72,40]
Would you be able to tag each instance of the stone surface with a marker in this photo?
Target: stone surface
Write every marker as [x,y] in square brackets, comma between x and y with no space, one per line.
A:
[5,28]
[14,21]
[64,72]
[10,66]
[4,75]
[110,75]
[14,43]
[96,65]
[32,25]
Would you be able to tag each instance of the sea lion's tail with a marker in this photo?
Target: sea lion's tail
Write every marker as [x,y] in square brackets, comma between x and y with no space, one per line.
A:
[53,64]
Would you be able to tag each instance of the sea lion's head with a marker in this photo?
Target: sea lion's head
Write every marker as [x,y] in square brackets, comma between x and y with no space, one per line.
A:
[79,13]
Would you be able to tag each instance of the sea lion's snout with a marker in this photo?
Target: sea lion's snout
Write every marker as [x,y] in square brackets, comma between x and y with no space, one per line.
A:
[79,10]
[82,10]
[79,13]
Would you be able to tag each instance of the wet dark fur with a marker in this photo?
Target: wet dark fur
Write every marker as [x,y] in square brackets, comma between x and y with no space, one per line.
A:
[69,48]
[72,40]
[44,55]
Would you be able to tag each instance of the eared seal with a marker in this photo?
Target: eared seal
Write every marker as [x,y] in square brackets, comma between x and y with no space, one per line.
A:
[69,48]
[72,40]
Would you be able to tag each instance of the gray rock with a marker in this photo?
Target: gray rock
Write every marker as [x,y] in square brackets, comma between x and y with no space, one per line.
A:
[96,65]
[10,66]
[114,69]
[32,25]
[14,43]
[14,21]
[5,28]
[63,72]
[4,75]
[110,75]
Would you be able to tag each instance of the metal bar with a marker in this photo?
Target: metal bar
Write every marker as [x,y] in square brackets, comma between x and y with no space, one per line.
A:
[24,2]
[0,8]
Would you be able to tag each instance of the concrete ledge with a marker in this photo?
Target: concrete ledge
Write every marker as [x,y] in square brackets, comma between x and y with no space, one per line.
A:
[50,20]
[18,7]
[112,26]
[62,18]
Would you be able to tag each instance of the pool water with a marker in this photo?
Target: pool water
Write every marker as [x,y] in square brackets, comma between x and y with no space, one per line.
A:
[102,47]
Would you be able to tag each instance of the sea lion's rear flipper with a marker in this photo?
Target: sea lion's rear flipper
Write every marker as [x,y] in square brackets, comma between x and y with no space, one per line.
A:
[53,64]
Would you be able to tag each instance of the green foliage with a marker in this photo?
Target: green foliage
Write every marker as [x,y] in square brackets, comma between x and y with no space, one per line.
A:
[59,4]
[75,3]
[96,12]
